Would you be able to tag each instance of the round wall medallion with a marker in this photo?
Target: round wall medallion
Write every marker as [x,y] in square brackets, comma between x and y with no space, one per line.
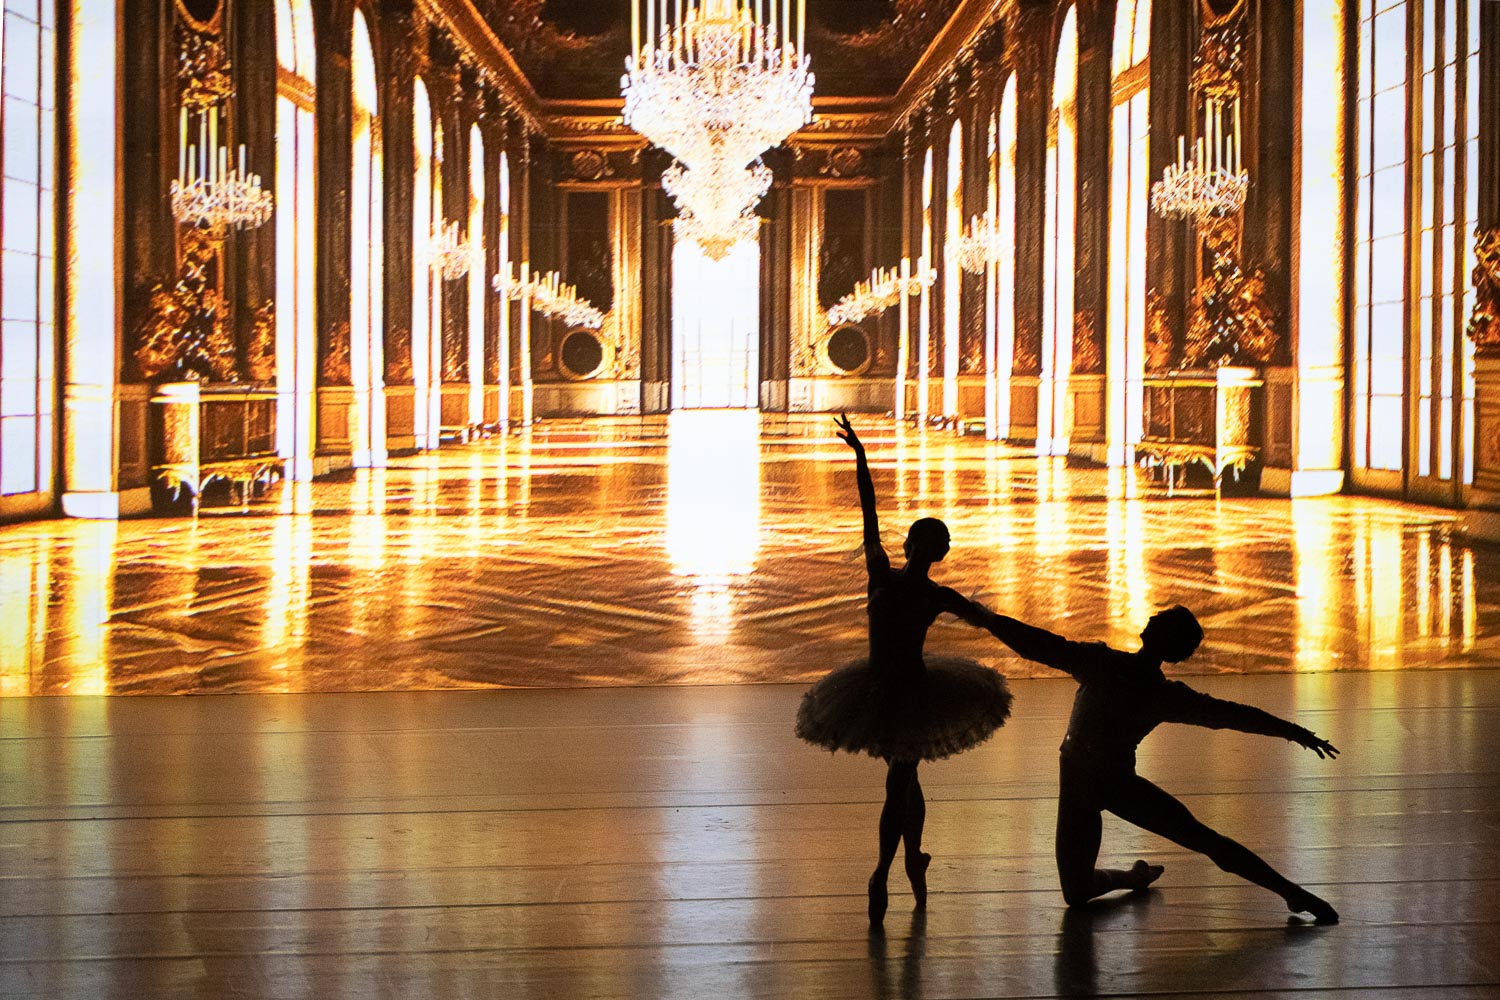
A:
[849,350]
[581,354]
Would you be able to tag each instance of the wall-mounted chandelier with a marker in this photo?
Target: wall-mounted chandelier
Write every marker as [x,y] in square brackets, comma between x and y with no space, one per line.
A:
[1210,183]
[549,295]
[881,290]
[717,89]
[212,192]
[448,253]
[981,244]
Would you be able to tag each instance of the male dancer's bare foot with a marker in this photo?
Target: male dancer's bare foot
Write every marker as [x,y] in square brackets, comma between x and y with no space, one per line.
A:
[1303,901]
[1141,875]
[916,874]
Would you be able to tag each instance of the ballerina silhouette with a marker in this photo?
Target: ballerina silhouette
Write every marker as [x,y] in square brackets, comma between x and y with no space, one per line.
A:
[898,704]
[1122,697]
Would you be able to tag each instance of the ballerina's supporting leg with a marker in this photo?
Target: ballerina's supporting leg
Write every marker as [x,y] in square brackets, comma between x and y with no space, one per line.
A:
[911,836]
[898,777]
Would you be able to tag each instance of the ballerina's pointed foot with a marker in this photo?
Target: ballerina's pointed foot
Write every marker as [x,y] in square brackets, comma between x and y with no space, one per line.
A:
[1305,902]
[1142,875]
[878,900]
[916,874]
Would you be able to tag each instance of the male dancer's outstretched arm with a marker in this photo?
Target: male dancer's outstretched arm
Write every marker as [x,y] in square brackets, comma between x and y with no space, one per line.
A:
[1181,703]
[1081,659]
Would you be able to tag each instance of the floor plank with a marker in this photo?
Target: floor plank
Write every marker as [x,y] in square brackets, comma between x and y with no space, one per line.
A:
[679,842]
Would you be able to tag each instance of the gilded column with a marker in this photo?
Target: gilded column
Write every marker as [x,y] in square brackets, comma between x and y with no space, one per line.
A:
[1484,323]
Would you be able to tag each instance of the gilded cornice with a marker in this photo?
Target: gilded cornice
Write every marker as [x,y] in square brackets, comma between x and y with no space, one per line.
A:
[838,119]
[470,30]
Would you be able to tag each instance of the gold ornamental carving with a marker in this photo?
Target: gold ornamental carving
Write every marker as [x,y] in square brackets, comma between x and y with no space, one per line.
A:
[183,327]
[1484,323]
[1158,334]
[203,71]
[337,369]
[260,353]
[1219,62]
[1087,358]
[398,370]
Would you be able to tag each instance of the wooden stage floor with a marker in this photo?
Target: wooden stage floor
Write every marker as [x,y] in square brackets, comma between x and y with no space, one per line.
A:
[680,842]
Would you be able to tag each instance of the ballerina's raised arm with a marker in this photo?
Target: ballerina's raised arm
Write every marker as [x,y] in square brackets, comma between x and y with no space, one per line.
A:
[877,563]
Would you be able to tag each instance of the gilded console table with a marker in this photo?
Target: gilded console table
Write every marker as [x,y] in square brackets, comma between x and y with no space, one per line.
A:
[1204,416]
[211,432]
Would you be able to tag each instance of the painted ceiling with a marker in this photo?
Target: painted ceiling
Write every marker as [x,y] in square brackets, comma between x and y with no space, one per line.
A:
[575,49]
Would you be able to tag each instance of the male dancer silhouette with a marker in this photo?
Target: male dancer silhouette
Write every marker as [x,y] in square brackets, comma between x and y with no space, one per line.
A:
[1122,697]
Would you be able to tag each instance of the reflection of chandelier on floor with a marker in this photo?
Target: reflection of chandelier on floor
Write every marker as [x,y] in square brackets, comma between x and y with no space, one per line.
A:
[1211,183]
[717,90]
[211,192]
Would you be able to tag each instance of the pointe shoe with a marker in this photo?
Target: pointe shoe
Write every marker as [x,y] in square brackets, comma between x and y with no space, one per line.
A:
[1305,902]
[879,898]
[916,874]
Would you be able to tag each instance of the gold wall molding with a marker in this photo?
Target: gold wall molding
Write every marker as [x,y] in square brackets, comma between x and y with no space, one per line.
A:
[1484,324]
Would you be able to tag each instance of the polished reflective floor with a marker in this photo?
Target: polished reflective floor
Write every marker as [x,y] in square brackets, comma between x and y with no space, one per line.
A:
[709,547]
[680,842]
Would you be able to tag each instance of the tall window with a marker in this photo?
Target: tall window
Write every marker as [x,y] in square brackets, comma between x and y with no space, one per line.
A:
[1057,243]
[503,340]
[1001,304]
[924,302]
[296,350]
[1413,368]
[478,280]
[28,340]
[1130,68]
[426,321]
[366,354]
[953,229]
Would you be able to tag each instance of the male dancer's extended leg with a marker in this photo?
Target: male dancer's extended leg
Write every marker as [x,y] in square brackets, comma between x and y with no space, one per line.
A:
[899,775]
[1078,832]
[1138,801]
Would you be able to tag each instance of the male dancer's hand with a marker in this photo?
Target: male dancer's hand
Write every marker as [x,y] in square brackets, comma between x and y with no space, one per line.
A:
[1307,738]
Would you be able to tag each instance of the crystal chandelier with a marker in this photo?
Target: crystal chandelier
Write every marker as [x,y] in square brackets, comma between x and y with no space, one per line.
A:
[881,290]
[550,296]
[716,204]
[210,193]
[981,244]
[448,253]
[716,90]
[1210,183]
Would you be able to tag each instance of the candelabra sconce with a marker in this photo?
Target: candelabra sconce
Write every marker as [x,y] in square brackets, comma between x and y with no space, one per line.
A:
[885,287]
[1210,183]
[212,192]
[448,253]
[981,244]
[549,295]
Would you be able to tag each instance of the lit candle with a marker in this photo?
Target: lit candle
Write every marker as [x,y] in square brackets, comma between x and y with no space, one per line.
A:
[213,144]
[1236,136]
[242,160]
[801,24]
[182,145]
[635,28]
[1181,150]
[651,25]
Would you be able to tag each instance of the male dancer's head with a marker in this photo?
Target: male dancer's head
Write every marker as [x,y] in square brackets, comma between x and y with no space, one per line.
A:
[1171,635]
